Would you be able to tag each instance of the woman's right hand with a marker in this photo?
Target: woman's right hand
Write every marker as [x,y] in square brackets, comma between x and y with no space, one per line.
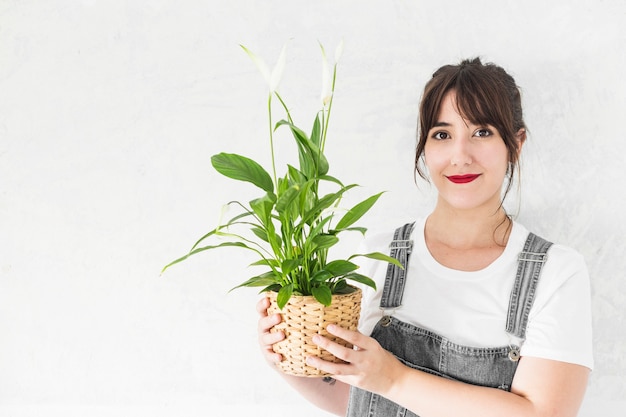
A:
[267,338]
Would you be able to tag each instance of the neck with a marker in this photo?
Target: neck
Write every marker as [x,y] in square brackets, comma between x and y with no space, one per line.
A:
[468,229]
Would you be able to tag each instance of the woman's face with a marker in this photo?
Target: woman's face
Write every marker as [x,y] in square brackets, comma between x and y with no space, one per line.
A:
[467,162]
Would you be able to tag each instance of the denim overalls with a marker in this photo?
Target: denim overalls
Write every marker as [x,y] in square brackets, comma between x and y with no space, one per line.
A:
[424,350]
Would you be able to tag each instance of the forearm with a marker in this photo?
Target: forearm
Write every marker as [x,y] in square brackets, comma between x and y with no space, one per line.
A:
[540,388]
[433,396]
[331,396]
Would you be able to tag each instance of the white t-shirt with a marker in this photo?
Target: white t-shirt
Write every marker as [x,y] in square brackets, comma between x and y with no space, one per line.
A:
[470,308]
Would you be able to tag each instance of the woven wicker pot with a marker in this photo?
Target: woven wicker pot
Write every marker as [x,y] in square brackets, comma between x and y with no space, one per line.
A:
[303,317]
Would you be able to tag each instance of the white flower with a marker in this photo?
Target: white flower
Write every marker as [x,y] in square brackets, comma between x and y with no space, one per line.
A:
[272,78]
[338,52]
[327,92]
[279,68]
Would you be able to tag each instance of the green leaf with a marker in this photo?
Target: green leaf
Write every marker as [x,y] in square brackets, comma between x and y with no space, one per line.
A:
[283,185]
[356,212]
[362,230]
[262,207]
[330,179]
[307,200]
[340,267]
[321,276]
[241,168]
[312,160]
[362,279]
[324,203]
[273,287]
[316,133]
[260,233]
[295,175]
[322,294]
[341,287]
[263,280]
[272,263]
[325,241]
[379,257]
[287,198]
[204,248]
[289,265]
[230,222]
[284,295]
[211,233]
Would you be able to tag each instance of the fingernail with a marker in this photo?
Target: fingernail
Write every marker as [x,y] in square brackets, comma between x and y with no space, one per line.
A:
[331,328]
[316,339]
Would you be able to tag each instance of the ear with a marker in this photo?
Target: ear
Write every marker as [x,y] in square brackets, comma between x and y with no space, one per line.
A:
[520,138]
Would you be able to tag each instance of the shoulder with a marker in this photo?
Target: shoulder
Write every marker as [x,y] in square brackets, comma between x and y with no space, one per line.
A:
[562,260]
[565,272]
[565,258]
[563,264]
[564,280]
[559,326]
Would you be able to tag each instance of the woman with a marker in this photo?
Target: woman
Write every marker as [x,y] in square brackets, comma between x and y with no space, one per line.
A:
[490,319]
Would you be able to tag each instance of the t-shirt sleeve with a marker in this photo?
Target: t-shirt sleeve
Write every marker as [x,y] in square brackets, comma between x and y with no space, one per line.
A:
[559,325]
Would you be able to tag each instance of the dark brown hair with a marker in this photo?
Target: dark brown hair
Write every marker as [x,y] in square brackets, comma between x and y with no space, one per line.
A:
[485,94]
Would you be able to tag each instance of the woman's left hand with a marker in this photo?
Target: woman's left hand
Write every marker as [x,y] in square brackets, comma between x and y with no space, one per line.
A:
[369,366]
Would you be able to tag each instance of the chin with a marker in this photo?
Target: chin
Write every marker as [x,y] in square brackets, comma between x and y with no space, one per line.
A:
[471,203]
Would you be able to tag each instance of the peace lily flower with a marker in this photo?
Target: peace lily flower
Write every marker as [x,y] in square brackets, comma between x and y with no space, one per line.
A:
[328,86]
[272,78]
[328,89]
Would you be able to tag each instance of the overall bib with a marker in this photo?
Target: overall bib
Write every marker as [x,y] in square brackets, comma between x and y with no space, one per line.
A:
[422,349]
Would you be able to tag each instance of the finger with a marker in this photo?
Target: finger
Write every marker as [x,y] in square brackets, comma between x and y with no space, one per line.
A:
[271,356]
[262,305]
[269,353]
[354,337]
[267,322]
[268,339]
[339,351]
[332,368]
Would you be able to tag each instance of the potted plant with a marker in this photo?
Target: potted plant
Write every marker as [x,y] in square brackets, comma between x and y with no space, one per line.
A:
[292,226]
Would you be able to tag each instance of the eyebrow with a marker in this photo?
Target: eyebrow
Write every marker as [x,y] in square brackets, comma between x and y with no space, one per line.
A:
[442,124]
[446,124]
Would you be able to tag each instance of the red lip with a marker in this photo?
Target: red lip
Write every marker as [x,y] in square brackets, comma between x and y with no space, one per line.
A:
[463,179]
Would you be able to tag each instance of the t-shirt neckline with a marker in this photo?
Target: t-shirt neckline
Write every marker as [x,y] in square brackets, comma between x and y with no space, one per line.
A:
[509,254]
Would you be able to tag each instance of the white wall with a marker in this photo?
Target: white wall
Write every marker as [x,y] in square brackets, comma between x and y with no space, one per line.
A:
[110,111]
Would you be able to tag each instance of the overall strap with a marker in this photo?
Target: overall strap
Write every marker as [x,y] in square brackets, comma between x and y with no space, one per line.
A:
[401,248]
[530,262]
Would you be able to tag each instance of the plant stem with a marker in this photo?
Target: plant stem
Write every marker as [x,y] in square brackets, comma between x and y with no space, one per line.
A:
[269,111]
[330,105]
[284,106]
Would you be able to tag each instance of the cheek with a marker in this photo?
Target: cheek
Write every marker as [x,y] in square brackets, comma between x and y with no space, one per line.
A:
[432,158]
[504,161]
[496,157]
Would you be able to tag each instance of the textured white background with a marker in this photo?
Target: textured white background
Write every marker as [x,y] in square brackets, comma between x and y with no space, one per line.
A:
[110,111]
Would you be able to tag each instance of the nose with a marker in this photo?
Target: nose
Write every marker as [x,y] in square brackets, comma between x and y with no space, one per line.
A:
[461,154]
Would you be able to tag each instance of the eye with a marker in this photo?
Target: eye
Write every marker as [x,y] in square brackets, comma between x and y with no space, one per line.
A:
[483,133]
[440,135]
